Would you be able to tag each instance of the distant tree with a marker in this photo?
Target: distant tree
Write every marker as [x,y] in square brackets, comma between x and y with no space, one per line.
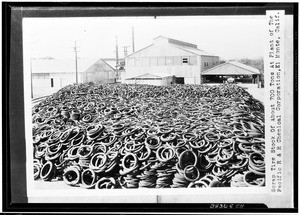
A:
[256,63]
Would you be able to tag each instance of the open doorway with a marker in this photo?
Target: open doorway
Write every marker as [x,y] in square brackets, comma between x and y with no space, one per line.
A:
[179,80]
[52,83]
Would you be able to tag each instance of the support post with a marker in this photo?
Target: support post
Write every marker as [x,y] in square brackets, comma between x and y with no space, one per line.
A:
[76,68]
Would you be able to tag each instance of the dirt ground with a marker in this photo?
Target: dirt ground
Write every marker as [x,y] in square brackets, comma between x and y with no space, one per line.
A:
[257,93]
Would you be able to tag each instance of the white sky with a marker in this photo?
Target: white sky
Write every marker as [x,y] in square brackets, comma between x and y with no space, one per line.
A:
[227,36]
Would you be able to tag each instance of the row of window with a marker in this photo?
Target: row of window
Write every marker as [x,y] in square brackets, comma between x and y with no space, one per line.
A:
[40,75]
[161,61]
[166,61]
[206,64]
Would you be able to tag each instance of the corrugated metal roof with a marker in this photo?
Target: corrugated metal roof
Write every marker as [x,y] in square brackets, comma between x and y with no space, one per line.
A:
[181,43]
[237,69]
[150,75]
[244,66]
[60,65]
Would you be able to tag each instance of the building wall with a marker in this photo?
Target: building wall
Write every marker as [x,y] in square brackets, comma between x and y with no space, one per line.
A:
[208,62]
[163,57]
[157,82]
[99,72]
[41,84]
[159,49]
[97,77]
[179,71]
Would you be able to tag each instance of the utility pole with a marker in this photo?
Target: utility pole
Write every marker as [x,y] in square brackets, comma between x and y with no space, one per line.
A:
[125,50]
[75,50]
[117,53]
[31,77]
[132,39]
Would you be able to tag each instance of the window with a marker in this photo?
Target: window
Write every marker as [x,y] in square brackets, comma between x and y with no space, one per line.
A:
[146,61]
[153,61]
[185,60]
[161,61]
[169,60]
[138,61]
[130,61]
[177,60]
[193,60]
[40,75]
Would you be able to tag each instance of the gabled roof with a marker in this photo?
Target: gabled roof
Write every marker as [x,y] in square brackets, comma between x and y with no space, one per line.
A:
[97,65]
[244,66]
[53,66]
[242,69]
[151,76]
[189,47]
[139,50]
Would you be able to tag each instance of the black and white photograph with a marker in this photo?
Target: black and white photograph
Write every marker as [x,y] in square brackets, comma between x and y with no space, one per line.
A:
[159,109]
[158,113]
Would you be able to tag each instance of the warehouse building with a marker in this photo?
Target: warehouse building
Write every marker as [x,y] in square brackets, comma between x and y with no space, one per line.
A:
[240,72]
[99,72]
[50,75]
[167,57]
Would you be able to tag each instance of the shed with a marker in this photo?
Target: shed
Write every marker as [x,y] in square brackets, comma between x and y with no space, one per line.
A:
[152,79]
[100,71]
[232,69]
[50,75]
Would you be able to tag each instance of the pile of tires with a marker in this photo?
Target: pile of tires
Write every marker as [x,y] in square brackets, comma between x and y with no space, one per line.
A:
[143,136]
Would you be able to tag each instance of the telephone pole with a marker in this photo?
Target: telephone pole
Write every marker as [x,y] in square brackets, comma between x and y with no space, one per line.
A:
[132,39]
[117,53]
[125,50]
[75,50]
[31,77]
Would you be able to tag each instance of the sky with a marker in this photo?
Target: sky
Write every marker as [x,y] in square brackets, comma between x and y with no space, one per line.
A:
[230,37]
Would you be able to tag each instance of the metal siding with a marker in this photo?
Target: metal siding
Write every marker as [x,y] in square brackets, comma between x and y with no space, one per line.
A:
[190,80]
[146,61]
[59,81]
[166,50]
[162,50]
[179,71]
[149,82]
[210,60]
[99,72]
